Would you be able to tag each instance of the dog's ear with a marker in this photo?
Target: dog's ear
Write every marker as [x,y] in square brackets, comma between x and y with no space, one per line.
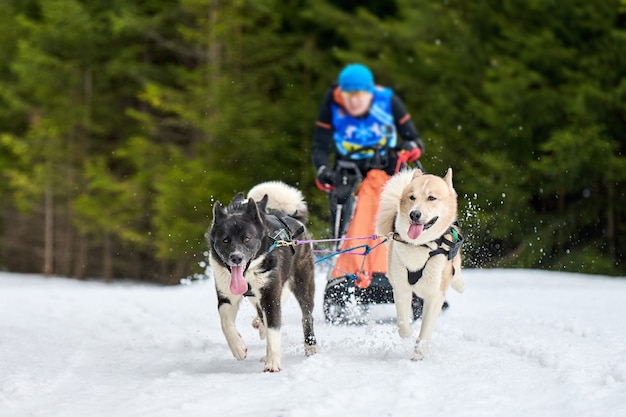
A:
[448,178]
[237,199]
[418,173]
[262,205]
[218,211]
[252,211]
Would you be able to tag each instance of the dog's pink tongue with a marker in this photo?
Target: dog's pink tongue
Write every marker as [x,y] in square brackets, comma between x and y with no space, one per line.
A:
[238,285]
[415,230]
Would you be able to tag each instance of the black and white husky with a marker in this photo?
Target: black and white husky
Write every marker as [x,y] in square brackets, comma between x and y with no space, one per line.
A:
[248,260]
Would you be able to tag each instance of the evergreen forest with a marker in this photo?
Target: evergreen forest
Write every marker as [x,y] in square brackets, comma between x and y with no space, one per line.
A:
[123,121]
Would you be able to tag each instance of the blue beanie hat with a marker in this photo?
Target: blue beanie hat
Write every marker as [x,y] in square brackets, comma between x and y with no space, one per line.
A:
[356,77]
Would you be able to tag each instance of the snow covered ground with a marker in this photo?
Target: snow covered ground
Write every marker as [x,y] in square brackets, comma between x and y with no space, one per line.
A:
[516,343]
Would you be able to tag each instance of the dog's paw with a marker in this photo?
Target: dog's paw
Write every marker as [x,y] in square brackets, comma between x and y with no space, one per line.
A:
[257,323]
[405,330]
[239,349]
[420,351]
[272,365]
[310,350]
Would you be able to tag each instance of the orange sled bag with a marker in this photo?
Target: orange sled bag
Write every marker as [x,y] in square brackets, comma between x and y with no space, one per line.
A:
[363,224]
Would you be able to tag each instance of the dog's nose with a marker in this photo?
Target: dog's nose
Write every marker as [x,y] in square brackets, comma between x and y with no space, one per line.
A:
[236,258]
[415,215]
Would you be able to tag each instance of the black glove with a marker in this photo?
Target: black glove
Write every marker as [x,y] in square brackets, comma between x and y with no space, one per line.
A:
[325,176]
[407,145]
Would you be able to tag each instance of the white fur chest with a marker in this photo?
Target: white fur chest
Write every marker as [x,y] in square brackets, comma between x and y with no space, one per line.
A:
[418,258]
[412,257]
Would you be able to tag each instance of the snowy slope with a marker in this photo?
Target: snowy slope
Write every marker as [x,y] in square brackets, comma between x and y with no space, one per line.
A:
[516,343]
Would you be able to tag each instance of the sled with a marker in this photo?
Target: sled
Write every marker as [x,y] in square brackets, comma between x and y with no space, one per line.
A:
[358,276]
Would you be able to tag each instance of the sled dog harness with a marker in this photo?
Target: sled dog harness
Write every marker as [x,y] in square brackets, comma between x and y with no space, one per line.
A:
[281,237]
[284,236]
[445,246]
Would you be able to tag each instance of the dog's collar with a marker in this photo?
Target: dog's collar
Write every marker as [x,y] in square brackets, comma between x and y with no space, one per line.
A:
[397,238]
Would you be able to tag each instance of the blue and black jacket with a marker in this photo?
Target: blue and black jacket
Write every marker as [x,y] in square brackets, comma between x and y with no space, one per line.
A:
[337,132]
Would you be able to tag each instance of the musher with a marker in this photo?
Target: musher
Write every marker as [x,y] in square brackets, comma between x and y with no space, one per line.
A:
[360,123]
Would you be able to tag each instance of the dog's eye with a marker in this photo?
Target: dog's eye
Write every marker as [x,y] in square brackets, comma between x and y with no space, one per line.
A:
[412,197]
[246,239]
[431,198]
[226,240]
